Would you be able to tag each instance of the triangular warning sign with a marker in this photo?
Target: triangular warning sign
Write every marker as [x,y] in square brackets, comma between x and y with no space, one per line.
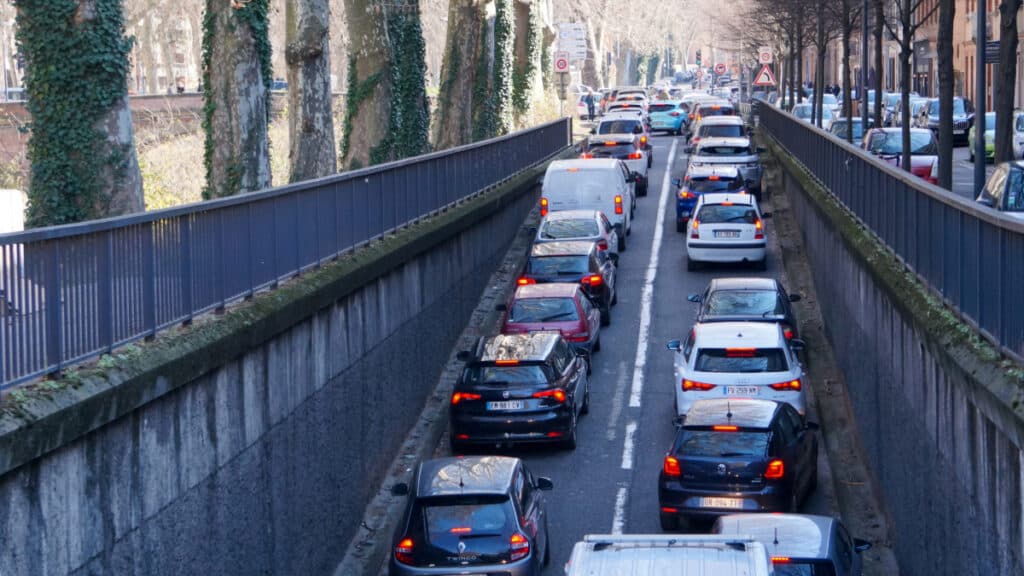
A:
[765,77]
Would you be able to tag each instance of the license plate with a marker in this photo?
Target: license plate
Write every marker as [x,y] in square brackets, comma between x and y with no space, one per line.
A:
[731,503]
[727,234]
[741,390]
[958,131]
[505,405]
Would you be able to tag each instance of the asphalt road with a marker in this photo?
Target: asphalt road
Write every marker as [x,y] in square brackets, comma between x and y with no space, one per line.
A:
[963,173]
[609,483]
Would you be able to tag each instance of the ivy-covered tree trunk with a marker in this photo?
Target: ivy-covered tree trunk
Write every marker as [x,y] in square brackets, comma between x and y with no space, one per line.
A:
[462,55]
[526,76]
[236,90]
[310,118]
[591,73]
[504,48]
[84,164]
[386,113]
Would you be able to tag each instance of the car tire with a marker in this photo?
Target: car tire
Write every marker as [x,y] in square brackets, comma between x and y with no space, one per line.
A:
[597,344]
[585,409]
[971,152]
[622,238]
[669,523]
[643,189]
[547,549]
[606,316]
[650,160]
[680,227]
[570,442]
[615,298]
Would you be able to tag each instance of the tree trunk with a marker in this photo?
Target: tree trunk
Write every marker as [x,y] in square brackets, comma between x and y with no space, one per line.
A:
[944,46]
[1005,81]
[146,47]
[879,25]
[310,118]
[819,87]
[591,73]
[458,72]
[847,101]
[800,67]
[906,51]
[237,98]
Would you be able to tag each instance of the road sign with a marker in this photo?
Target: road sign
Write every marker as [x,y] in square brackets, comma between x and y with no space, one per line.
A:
[764,55]
[572,38]
[719,68]
[561,62]
[992,52]
[765,77]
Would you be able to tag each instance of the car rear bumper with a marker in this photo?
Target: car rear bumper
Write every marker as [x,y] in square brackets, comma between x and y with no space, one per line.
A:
[796,399]
[524,567]
[511,428]
[675,499]
[723,252]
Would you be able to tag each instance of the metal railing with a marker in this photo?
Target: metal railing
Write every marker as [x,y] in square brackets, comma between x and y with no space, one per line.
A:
[68,293]
[969,255]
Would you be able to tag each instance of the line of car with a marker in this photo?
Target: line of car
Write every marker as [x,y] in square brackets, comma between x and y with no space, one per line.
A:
[742,442]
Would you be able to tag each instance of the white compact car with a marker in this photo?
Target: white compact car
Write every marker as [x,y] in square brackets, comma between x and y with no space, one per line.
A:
[737,360]
[580,225]
[726,228]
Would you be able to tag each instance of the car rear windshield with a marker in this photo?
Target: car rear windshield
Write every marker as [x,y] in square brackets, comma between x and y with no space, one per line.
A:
[558,265]
[722,444]
[721,131]
[958,107]
[661,107]
[543,310]
[559,229]
[805,568]
[509,375]
[802,112]
[717,111]
[465,516]
[741,360]
[726,214]
[724,151]
[617,127]
[921,143]
[744,303]
[722,185]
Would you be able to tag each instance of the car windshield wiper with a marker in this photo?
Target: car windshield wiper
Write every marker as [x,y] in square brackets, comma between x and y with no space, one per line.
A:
[731,454]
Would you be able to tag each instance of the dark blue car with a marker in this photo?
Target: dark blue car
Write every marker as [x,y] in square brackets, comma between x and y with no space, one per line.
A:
[700,180]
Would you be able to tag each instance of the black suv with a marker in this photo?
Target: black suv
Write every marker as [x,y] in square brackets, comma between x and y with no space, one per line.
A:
[481,514]
[737,455]
[520,389]
[747,300]
[575,261]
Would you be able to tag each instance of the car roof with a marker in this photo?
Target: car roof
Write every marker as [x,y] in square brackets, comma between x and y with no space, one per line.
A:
[742,412]
[572,215]
[724,141]
[728,120]
[798,535]
[723,197]
[635,554]
[623,137]
[729,171]
[547,290]
[466,475]
[584,165]
[738,335]
[673,102]
[746,283]
[531,347]
[563,248]
[896,130]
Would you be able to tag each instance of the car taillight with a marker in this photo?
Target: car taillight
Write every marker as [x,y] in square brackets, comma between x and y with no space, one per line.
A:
[593,280]
[543,206]
[674,114]
[722,428]
[518,546]
[556,395]
[586,155]
[524,281]
[635,156]
[602,244]
[618,204]
[462,396]
[643,140]
[758,230]
[671,467]
[788,385]
[685,194]
[689,385]
[693,229]
[403,551]
[775,470]
[695,139]
[780,560]
[580,337]
[787,332]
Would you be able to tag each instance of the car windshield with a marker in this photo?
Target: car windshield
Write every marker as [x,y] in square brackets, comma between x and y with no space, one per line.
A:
[697,442]
[741,360]
[577,228]
[828,100]
[990,121]
[805,568]
[716,110]
[617,126]
[958,107]
[530,374]
[558,265]
[726,213]
[802,112]
[744,303]
[841,127]
[721,185]
[543,310]
[892,99]
[721,131]
[465,516]
[661,107]
[724,151]
[921,143]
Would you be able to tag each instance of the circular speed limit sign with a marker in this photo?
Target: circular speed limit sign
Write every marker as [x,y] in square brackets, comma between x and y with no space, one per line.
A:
[719,68]
[561,62]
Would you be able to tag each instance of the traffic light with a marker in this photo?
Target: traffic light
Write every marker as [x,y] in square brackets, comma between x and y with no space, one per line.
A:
[698,56]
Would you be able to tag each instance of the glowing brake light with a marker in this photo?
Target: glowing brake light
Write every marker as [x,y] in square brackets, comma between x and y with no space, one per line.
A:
[685,194]
[403,551]
[788,385]
[543,206]
[671,467]
[557,395]
[586,156]
[693,228]
[462,396]
[602,244]
[674,114]
[643,140]
[780,560]
[519,546]
[775,470]
[758,230]
[725,428]
[461,530]
[689,385]
[714,177]
[593,280]
[504,362]
[635,156]
[787,332]
[611,143]
[740,352]
[618,204]
[524,281]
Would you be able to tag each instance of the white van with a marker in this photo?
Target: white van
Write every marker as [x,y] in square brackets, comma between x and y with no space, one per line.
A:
[660,554]
[605,185]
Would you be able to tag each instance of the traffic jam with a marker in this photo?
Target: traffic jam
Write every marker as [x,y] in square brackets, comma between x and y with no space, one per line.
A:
[682,349]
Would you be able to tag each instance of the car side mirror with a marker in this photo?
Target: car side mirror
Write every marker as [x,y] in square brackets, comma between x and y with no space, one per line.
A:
[812,426]
[674,345]
[677,182]
[795,297]
[544,483]
[400,489]
[766,215]
[463,356]
[678,421]
[861,545]
[693,298]
[986,201]
[631,177]
[593,130]
[797,344]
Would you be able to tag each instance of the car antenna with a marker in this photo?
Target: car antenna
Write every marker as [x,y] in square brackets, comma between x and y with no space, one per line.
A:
[776,541]
[461,485]
[728,410]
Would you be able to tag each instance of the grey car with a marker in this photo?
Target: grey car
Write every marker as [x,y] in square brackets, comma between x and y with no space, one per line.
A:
[738,152]
[472,515]
[800,544]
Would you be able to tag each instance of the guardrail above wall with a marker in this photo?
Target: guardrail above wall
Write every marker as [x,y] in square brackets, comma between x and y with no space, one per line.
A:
[967,254]
[68,293]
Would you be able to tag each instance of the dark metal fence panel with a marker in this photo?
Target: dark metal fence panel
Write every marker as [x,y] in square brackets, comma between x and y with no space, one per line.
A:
[969,255]
[73,292]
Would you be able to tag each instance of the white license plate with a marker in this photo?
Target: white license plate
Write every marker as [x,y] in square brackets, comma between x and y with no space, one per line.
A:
[727,234]
[741,390]
[958,131]
[505,405]
[731,503]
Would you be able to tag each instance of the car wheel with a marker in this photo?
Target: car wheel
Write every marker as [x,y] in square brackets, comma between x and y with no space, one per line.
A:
[650,160]
[615,298]
[547,549]
[570,442]
[794,502]
[669,523]
[597,344]
[622,239]
[680,226]
[606,316]
[585,409]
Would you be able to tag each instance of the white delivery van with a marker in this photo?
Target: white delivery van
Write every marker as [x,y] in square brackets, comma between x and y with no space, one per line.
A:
[605,185]
[663,554]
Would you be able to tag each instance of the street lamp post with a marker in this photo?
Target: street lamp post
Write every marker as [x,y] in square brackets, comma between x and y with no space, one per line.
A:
[863,68]
[979,95]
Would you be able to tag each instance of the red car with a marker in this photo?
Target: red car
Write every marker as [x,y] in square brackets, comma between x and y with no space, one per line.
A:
[555,306]
[887,144]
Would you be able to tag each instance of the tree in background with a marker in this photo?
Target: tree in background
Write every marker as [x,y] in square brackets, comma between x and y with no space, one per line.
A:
[903,27]
[236,86]
[1004,81]
[462,56]
[944,46]
[84,164]
[310,118]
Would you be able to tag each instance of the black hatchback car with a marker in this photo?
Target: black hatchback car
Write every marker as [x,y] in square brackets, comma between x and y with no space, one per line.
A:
[520,389]
[747,300]
[482,514]
[575,261]
[737,455]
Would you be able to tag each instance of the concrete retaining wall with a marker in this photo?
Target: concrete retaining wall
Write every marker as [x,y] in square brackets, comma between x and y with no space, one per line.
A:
[264,463]
[941,422]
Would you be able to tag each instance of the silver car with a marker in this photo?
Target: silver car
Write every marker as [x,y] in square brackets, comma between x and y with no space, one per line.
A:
[738,152]
[580,225]
[800,543]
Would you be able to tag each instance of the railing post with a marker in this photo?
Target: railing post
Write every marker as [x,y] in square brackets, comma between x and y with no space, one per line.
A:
[105,292]
[52,289]
[219,259]
[185,277]
[148,282]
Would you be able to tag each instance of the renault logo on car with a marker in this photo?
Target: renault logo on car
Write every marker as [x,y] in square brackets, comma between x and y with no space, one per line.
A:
[721,469]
